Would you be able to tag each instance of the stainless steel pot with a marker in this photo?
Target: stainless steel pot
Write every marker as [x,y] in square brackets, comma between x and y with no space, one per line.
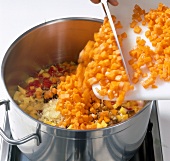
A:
[47,44]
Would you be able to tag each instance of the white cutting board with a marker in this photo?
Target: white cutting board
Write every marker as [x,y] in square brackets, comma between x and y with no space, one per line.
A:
[123,12]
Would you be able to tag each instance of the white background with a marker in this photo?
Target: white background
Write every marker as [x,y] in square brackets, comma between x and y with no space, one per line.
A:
[17,16]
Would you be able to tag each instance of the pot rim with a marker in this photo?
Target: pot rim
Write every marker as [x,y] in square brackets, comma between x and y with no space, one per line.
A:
[39,122]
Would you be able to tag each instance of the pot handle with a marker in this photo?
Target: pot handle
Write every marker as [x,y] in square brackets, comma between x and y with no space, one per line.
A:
[7,139]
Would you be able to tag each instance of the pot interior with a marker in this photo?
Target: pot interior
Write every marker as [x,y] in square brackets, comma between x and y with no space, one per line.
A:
[49,43]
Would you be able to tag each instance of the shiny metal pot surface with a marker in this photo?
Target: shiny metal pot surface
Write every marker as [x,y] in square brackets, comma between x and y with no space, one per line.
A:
[47,44]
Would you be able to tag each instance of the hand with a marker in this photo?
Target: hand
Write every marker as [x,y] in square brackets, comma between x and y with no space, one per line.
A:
[112,2]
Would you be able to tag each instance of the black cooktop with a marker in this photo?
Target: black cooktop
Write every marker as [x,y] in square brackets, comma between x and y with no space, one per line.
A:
[150,150]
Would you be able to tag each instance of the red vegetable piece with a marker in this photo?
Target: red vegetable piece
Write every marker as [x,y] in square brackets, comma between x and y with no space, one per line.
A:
[46,84]
[60,69]
[52,70]
[35,83]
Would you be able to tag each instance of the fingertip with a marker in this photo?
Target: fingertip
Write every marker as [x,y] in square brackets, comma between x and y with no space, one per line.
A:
[113,2]
[95,1]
